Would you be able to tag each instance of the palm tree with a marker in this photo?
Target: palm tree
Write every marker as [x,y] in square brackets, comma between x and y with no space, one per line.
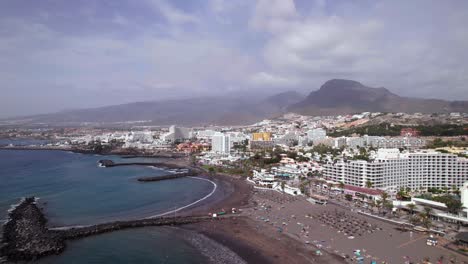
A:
[427,211]
[445,189]
[384,197]
[411,207]
[341,185]
[425,220]
[372,204]
[369,184]
[378,204]
[426,217]
[401,193]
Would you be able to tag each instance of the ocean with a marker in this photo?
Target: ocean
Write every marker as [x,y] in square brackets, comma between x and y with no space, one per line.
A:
[73,190]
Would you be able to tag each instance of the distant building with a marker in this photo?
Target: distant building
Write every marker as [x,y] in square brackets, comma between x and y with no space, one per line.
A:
[316,134]
[177,134]
[386,142]
[205,134]
[261,145]
[261,136]
[409,132]
[220,143]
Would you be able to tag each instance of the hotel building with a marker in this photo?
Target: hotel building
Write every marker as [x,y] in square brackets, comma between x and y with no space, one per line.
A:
[392,170]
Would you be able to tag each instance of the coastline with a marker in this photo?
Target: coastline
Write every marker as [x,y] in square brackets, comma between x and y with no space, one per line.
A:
[238,234]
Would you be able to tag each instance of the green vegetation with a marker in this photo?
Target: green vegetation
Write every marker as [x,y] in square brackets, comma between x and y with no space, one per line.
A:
[363,155]
[454,205]
[323,149]
[385,129]
[439,143]
[226,170]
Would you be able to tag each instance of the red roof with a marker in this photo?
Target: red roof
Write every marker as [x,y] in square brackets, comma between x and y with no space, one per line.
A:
[363,190]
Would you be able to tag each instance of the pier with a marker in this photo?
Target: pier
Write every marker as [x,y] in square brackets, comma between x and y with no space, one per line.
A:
[26,237]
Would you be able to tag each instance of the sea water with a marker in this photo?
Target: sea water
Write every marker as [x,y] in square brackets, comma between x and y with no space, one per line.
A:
[73,190]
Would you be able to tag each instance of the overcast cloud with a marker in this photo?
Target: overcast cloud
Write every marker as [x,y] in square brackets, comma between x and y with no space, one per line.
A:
[57,55]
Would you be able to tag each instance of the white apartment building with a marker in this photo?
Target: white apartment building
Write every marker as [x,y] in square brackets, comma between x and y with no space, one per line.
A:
[220,143]
[392,170]
[177,133]
[205,134]
[385,142]
[433,169]
[316,134]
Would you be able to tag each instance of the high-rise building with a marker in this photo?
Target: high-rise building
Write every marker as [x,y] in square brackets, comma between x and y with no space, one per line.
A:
[177,134]
[392,170]
[220,143]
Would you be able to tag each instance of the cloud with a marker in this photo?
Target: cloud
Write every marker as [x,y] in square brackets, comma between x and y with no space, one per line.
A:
[121,51]
[273,15]
[171,14]
[265,79]
[370,46]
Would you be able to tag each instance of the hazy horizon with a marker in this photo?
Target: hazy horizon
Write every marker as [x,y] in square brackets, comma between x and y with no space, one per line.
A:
[60,55]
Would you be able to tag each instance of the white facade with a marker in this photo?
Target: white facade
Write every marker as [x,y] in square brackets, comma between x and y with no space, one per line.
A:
[392,170]
[316,134]
[220,143]
[386,142]
[433,169]
[464,195]
[177,133]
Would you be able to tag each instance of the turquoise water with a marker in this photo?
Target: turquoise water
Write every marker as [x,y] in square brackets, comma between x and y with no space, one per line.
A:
[74,190]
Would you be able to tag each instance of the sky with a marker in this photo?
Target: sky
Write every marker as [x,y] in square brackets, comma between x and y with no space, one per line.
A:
[57,54]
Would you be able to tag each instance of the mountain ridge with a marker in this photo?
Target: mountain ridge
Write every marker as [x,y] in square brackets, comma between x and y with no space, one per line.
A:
[334,97]
[340,96]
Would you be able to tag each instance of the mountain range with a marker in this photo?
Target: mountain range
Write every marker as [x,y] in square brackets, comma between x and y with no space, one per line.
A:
[334,97]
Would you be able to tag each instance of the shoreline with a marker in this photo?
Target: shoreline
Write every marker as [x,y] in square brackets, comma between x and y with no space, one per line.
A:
[124,154]
[234,192]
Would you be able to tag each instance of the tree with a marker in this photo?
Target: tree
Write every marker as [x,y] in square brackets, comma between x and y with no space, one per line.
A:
[378,204]
[372,204]
[401,193]
[427,211]
[425,217]
[349,197]
[454,206]
[384,197]
[211,171]
[369,184]
[425,220]
[193,160]
[341,185]
[411,207]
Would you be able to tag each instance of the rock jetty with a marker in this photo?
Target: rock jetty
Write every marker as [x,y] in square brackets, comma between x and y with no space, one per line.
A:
[25,236]
[165,177]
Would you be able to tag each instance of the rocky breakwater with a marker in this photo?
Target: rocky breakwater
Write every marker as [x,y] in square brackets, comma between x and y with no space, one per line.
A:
[85,231]
[25,236]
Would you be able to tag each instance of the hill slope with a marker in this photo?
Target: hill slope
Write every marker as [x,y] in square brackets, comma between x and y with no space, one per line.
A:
[228,110]
[340,96]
